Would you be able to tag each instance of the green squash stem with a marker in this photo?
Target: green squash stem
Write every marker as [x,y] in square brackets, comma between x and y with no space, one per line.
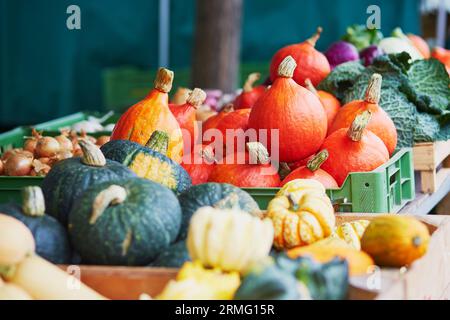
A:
[355,132]
[196,97]
[287,67]
[230,201]
[373,91]
[159,142]
[315,163]
[33,203]
[251,79]
[258,153]
[111,196]
[92,155]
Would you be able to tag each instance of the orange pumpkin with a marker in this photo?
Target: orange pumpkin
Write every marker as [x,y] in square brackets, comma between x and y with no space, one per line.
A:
[295,111]
[142,119]
[249,94]
[254,171]
[314,64]
[354,149]
[212,122]
[443,55]
[199,163]
[329,102]
[312,171]
[420,44]
[380,124]
[186,117]
[233,127]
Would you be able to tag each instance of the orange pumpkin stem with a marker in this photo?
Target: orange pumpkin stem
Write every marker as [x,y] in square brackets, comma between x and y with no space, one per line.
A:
[355,132]
[313,40]
[287,67]
[315,163]
[208,154]
[373,92]
[258,153]
[311,87]
[228,108]
[251,79]
[196,97]
[164,79]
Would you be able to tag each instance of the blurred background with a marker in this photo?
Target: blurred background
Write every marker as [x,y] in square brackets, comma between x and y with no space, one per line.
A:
[48,71]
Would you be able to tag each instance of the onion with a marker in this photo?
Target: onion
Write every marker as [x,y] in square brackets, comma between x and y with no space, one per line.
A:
[16,151]
[30,145]
[64,142]
[47,147]
[18,165]
[64,154]
[2,167]
[39,168]
[102,140]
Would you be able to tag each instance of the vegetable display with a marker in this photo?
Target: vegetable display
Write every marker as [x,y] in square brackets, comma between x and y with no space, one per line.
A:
[314,64]
[139,122]
[226,238]
[199,163]
[294,111]
[69,178]
[354,149]
[212,122]
[149,161]
[124,222]
[233,127]
[52,241]
[249,94]
[352,232]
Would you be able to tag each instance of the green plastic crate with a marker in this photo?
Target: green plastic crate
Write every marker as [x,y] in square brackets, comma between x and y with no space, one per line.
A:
[384,190]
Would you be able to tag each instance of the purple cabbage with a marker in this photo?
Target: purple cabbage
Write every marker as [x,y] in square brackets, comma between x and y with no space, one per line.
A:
[370,53]
[340,52]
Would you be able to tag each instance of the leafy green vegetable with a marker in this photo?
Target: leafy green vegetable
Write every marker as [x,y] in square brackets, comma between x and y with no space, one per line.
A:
[361,37]
[416,96]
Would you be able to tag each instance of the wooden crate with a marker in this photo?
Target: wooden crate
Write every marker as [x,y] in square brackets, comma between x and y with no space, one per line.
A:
[433,161]
[428,278]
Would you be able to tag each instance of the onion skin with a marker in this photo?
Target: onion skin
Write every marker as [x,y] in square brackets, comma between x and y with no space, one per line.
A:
[18,165]
[17,151]
[64,142]
[47,147]
[30,145]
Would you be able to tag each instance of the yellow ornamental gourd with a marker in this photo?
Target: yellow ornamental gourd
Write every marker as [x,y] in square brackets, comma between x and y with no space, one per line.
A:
[301,214]
[352,232]
[228,239]
[194,282]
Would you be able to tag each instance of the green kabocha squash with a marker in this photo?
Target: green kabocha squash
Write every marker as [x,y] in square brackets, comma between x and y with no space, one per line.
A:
[150,161]
[174,257]
[52,241]
[69,178]
[124,222]
[216,195]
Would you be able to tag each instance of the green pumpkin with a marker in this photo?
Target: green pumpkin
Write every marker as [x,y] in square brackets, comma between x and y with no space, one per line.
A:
[52,241]
[69,178]
[174,257]
[124,222]
[150,161]
[218,195]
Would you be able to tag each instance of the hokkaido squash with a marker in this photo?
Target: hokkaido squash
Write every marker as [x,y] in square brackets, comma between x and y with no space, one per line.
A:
[301,213]
[199,163]
[329,102]
[443,55]
[312,171]
[150,161]
[249,94]
[186,117]
[314,64]
[380,124]
[173,257]
[294,111]
[246,170]
[354,149]
[228,239]
[69,178]
[212,122]
[233,127]
[352,232]
[395,241]
[126,222]
[142,119]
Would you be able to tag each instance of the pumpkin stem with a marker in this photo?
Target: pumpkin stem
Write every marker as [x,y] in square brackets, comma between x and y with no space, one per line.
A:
[287,67]
[7,272]
[315,163]
[258,153]
[159,142]
[355,132]
[33,203]
[373,91]
[283,170]
[313,40]
[228,108]
[251,79]
[164,79]
[92,155]
[417,241]
[230,201]
[311,87]
[111,196]
[196,97]
[292,202]
[208,154]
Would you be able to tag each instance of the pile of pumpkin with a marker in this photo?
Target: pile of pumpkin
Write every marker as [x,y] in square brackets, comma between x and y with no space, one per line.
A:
[39,153]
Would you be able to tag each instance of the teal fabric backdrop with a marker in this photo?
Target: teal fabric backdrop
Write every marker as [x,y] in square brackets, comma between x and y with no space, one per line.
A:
[48,71]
